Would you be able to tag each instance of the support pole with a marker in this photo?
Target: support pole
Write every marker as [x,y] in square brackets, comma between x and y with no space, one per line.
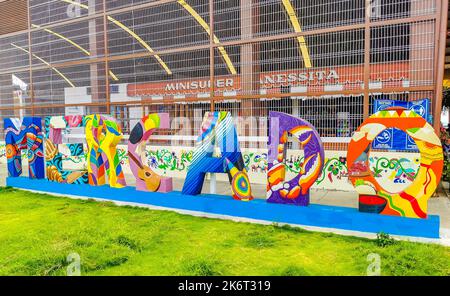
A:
[441,62]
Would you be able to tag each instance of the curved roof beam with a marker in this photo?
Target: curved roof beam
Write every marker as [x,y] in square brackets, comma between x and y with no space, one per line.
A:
[298,29]
[131,33]
[46,63]
[76,3]
[216,40]
[142,42]
[85,51]
[82,49]
[113,76]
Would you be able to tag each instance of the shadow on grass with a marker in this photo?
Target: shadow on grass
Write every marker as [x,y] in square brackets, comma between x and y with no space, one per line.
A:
[7,189]
[201,267]
[293,270]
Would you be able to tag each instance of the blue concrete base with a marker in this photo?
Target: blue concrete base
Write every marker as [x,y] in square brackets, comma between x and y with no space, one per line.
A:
[313,215]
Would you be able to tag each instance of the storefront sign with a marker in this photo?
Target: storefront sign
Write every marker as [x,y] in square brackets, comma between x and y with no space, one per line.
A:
[349,77]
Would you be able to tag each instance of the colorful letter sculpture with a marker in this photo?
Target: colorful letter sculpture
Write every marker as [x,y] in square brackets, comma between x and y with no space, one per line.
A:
[412,202]
[218,129]
[102,136]
[53,133]
[218,133]
[24,135]
[296,190]
[146,179]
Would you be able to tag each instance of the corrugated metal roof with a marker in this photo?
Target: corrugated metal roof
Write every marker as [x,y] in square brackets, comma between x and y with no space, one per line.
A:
[13,16]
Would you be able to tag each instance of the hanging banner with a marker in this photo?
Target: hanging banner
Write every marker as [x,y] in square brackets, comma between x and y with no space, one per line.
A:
[395,139]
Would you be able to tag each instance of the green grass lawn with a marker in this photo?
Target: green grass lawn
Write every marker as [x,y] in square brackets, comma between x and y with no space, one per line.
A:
[38,231]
